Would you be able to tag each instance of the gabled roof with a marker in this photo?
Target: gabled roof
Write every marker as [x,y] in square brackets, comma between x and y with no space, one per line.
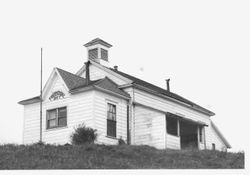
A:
[97,41]
[76,84]
[159,90]
[220,135]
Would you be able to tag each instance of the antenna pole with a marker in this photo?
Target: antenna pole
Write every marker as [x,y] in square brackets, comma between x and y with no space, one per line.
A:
[41,91]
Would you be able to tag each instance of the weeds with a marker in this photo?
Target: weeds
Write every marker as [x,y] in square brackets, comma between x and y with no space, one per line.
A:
[45,156]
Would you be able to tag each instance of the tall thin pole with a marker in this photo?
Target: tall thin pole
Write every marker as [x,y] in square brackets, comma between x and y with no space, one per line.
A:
[41,91]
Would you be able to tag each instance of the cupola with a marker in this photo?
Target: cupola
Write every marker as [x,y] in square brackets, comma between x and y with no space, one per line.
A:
[98,50]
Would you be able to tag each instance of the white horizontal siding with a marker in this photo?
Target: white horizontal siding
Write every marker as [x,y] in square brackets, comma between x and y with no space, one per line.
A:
[173,142]
[168,106]
[212,137]
[79,110]
[31,123]
[149,128]
[100,117]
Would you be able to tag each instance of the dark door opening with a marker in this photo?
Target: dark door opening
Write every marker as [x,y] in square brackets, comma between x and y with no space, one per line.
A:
[188,135]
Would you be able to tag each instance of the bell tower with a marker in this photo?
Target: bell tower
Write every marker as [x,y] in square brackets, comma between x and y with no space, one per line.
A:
[97,50]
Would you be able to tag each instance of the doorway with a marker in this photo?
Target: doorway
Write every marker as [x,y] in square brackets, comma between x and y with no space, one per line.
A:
[188,135]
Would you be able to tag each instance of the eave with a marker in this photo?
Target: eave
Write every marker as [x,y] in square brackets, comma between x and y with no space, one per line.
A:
[182,118]
[94,87]
[30,101]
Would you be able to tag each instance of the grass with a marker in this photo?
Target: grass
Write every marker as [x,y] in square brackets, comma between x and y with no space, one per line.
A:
[113,157]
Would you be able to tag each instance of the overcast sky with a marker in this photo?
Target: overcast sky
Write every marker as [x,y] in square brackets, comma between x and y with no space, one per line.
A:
[202,46]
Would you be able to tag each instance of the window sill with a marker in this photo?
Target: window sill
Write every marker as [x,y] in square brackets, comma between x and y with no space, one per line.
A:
[110,137]
[56,128]
[173,135]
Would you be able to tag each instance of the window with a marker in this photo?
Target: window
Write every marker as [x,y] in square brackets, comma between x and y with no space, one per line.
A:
[213,146]
[111,120]
[172,127]
[57,117]
[201,134]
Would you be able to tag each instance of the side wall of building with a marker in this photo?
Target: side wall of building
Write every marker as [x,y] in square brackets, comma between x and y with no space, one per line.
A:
[101,101]
[168,106]
[213,138]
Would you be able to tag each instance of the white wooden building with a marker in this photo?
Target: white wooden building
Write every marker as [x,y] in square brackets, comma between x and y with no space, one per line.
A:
[118,105]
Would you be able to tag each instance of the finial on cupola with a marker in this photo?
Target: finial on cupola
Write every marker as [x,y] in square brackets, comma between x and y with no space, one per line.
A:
[98,50]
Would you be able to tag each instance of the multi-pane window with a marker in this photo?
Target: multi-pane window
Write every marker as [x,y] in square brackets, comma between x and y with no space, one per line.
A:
[172,127]
[56,117]
[111,120]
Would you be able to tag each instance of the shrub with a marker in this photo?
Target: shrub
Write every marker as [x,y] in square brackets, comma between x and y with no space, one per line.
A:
[121,141]
[83,134]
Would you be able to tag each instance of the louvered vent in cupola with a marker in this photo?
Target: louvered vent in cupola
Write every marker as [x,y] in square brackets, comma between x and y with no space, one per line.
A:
[93,54]
[104,54]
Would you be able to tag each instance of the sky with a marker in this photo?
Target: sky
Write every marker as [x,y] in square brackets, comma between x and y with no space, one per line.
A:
[202,46]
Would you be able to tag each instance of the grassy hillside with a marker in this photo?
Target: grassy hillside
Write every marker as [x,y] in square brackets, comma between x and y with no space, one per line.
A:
[112,157]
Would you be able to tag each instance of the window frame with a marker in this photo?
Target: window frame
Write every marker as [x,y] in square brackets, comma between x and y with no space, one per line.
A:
[56,118]
[111,121]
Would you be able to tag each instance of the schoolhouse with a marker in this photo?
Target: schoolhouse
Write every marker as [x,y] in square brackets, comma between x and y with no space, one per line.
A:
[118,106]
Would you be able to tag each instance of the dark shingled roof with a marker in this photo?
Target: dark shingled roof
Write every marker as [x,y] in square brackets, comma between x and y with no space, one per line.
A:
[71,80]
[161,90]
[74,82]
[108,84]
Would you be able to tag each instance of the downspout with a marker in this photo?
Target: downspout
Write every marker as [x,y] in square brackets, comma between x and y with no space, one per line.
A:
[133,117]
[128,133]
[178,132]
